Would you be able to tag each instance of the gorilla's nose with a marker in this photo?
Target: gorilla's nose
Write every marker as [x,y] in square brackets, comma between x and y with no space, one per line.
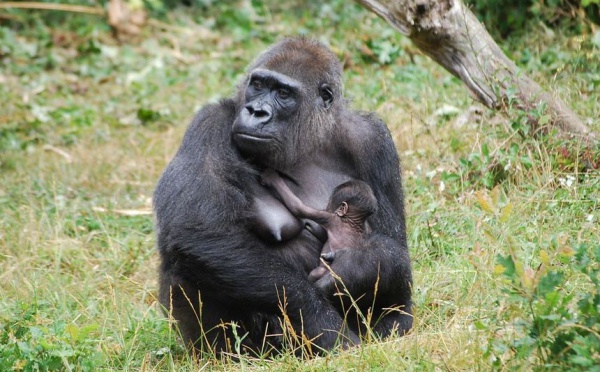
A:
[261,112]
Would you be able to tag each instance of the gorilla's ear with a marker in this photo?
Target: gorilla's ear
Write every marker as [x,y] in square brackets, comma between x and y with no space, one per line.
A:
[342,209]
[326,94]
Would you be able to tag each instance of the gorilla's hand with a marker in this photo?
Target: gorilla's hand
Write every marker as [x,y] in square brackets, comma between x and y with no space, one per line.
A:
[317,273]
[357,273]
[268,177]
[340,262]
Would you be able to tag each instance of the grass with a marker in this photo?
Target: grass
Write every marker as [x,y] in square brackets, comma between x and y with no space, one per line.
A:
[500,225]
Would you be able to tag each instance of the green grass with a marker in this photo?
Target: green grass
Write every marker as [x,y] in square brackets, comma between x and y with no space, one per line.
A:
[503,229]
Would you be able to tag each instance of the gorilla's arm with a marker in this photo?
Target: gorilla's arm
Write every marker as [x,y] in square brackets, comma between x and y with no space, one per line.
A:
[385,262]
[272,179]
[241,273]
[201,206]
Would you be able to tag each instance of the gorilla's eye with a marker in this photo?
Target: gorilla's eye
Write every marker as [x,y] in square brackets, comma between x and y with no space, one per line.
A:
[326,93]
[257,84]
[283,93]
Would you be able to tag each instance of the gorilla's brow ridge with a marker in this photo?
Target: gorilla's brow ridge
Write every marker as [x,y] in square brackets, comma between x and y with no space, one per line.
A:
[287,80]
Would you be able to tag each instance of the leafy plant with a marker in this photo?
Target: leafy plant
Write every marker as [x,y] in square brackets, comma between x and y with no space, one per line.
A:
[550,305]
[561,328]
[32,340]
[504,17]
[488,169]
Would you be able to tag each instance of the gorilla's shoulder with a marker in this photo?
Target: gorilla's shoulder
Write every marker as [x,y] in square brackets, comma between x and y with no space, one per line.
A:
[215,113]
[367,128]
[372,121]
[211,125]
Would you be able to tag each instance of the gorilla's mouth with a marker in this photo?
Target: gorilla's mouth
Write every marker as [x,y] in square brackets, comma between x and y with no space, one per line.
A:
[251,144]
[252,137]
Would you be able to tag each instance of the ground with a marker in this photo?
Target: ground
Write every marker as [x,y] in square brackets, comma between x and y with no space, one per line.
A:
[503,228]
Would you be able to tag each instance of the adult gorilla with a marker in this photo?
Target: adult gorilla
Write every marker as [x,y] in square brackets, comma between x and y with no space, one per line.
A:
[233,254]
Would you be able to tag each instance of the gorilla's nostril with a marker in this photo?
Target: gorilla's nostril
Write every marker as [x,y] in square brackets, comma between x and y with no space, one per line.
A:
[258,111]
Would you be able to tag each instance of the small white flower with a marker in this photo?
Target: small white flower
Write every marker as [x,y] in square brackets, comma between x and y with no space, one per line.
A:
[570,180]
[566,182]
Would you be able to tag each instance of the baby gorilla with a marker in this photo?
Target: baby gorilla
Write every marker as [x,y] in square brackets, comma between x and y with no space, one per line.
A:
[345,218]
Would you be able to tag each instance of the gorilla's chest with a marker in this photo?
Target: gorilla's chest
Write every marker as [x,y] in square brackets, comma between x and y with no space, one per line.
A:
[311,183]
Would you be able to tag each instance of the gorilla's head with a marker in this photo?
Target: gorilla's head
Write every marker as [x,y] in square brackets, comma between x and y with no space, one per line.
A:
[289,102]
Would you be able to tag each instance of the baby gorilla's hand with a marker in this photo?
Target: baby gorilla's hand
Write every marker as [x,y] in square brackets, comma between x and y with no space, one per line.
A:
[334,263]
[317,273]
[268,177]
[320,271]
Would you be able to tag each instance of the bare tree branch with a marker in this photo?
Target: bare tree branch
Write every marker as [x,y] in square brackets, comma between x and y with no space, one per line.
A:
[448,32]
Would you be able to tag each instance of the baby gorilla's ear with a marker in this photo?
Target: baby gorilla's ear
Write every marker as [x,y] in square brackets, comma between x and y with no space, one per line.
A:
[342,209]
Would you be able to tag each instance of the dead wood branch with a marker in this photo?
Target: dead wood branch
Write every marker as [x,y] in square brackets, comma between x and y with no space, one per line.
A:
[51,6]
[449,33]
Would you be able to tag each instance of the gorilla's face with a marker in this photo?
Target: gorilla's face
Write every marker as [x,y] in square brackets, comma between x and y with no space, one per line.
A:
[274,107]
[271,100]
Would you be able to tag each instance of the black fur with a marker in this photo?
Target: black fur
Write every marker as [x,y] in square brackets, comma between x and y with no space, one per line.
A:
[223,259]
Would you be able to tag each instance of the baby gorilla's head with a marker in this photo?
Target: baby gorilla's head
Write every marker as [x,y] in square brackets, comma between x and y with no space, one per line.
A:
[358,197]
